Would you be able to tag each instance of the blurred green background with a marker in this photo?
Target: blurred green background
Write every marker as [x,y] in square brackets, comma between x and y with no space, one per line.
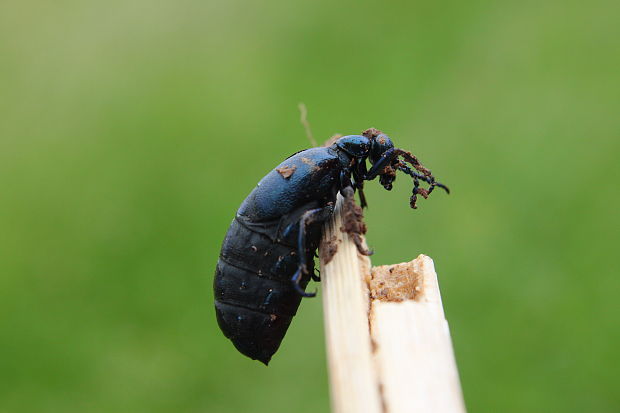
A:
[130,131]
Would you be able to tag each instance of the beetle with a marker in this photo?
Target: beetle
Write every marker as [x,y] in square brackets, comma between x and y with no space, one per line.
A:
[267,257]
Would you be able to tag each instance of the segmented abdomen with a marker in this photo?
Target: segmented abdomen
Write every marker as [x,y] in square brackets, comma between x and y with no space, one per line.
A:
[254,299]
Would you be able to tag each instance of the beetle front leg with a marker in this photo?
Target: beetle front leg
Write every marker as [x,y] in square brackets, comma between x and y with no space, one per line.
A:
[345,182]
[353,217]
[316,277]
[359,185]
[318,215]
[358,176]
[347,187]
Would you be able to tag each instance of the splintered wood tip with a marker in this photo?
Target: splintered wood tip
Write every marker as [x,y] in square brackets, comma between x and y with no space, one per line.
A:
[397,282]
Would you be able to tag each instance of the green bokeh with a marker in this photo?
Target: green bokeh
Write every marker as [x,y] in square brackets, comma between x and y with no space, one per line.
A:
[130,131]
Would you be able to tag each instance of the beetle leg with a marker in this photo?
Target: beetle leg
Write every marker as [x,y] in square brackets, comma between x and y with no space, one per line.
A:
[385,159]
[317,215]
[295,281]
[361,167]
[358,176]
[414,195]
[345,181]
[347,188]
[316,277]
[428,179]
[360,191]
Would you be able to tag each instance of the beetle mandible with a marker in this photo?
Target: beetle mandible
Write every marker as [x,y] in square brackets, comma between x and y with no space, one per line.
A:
[267,256]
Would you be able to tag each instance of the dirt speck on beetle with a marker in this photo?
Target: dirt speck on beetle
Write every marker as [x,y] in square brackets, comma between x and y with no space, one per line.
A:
[371,133]
[286,171]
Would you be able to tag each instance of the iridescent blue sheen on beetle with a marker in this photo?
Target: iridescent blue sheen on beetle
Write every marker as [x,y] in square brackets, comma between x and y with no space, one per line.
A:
[267,256]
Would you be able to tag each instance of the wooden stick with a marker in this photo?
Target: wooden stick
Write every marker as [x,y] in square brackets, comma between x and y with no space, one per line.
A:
[413,349]
[354,383]
[388,343]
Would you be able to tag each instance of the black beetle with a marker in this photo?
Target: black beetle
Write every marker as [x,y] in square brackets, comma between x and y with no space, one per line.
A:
[267,257]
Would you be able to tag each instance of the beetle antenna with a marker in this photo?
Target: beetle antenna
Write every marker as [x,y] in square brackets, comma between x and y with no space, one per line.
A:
[430,179]
[413,160]
[303,110]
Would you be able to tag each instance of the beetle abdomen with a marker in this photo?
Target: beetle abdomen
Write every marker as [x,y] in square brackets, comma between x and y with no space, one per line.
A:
[254,299]
[255,334]
[242,288]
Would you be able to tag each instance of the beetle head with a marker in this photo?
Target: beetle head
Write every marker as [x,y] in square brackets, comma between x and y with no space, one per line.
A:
[380,144]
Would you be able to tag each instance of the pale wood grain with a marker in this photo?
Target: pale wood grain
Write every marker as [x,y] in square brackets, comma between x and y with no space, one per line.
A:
[353,379]
[413,348]
[388,342]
